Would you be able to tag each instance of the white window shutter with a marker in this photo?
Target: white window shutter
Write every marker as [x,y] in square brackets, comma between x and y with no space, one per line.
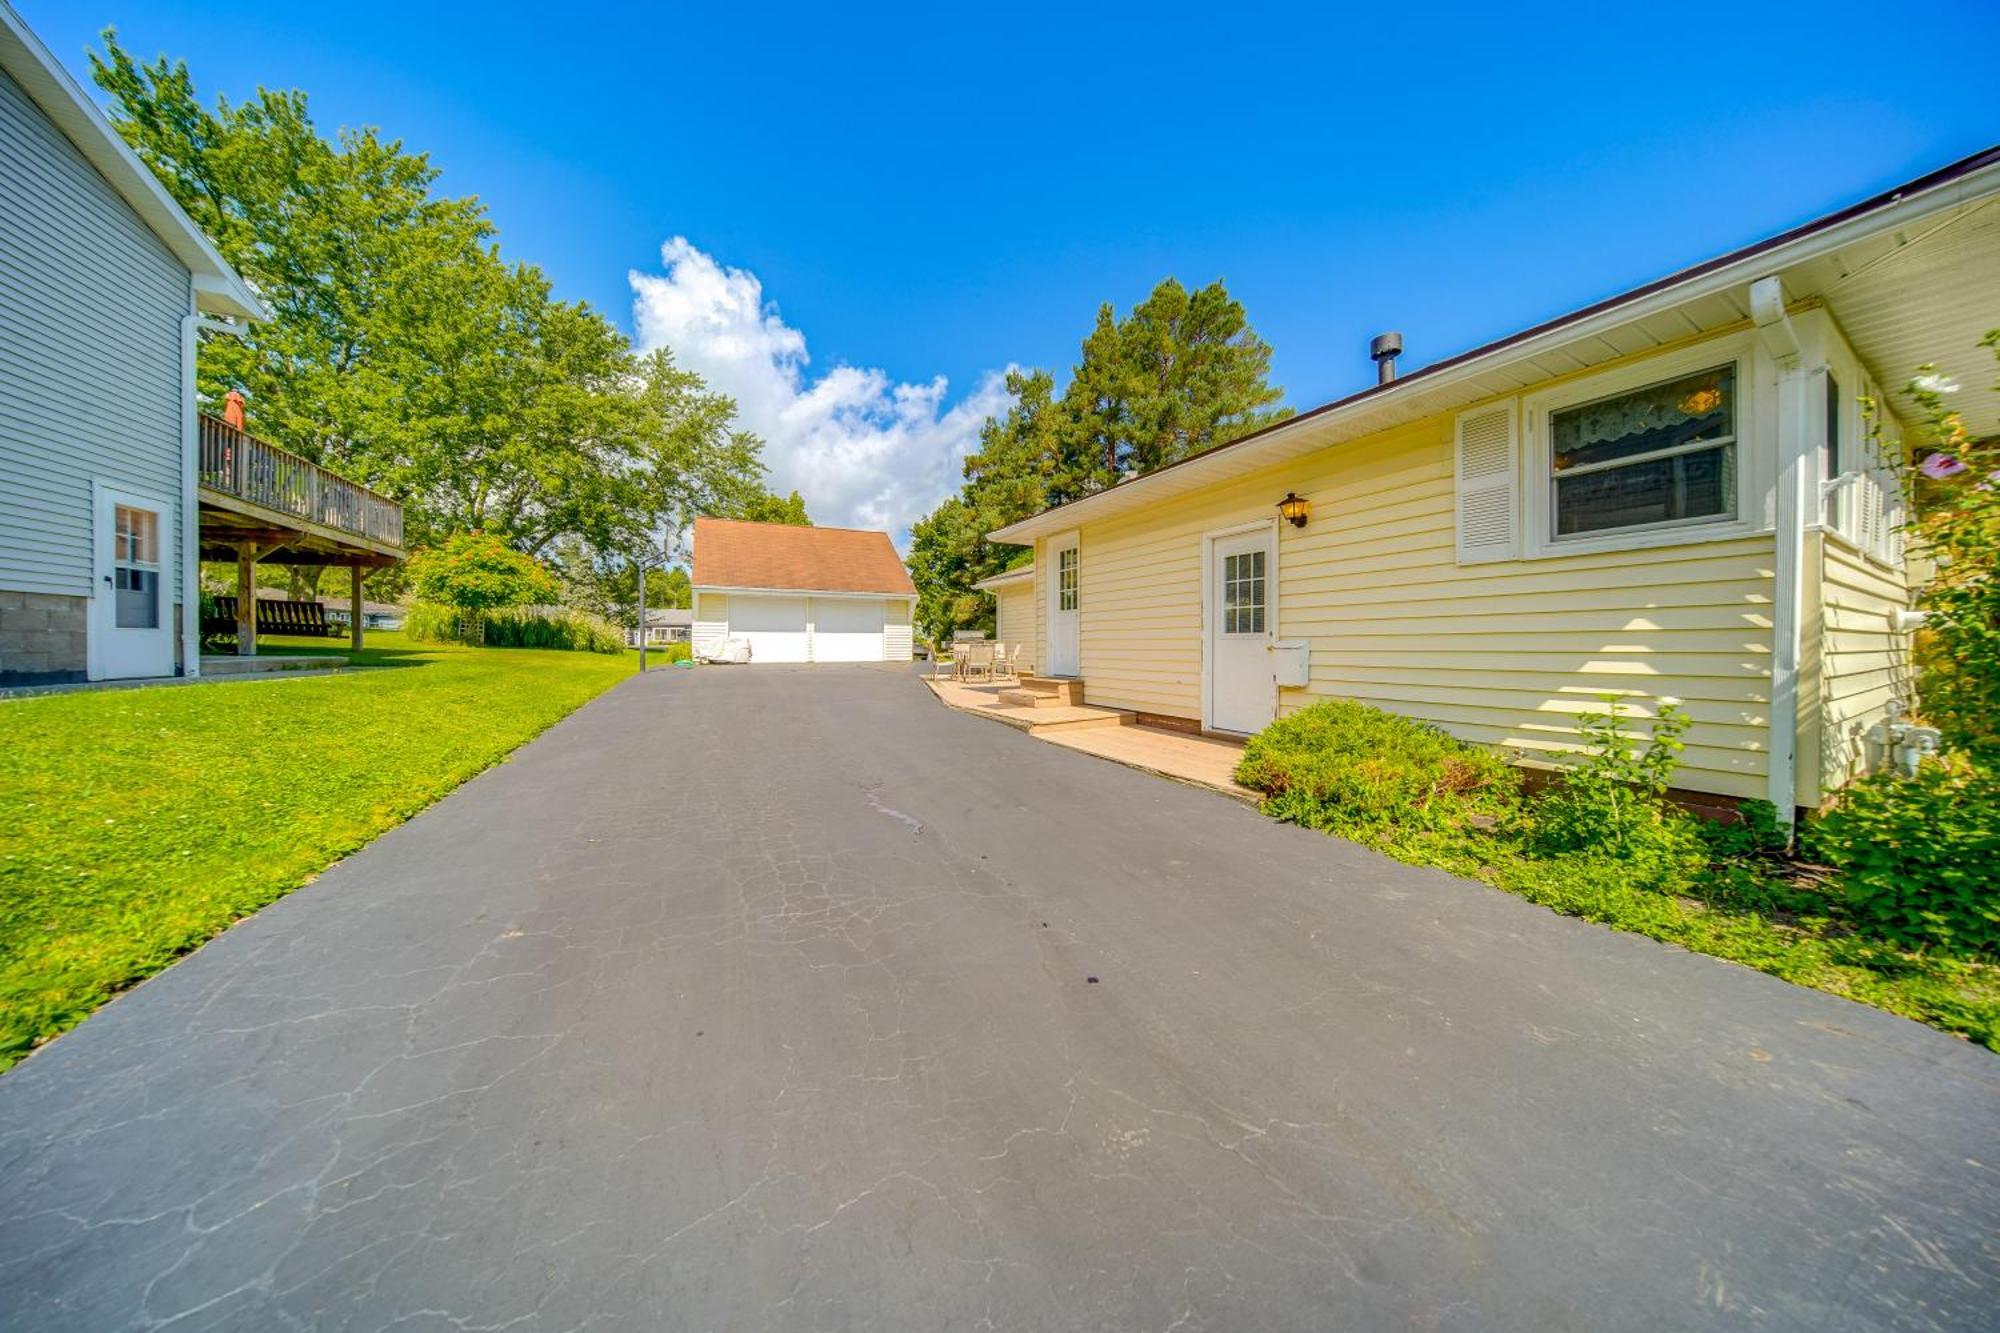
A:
[1488,452]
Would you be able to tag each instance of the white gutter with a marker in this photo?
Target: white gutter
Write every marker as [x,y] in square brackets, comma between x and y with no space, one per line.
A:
[1708,279]
[1795,451]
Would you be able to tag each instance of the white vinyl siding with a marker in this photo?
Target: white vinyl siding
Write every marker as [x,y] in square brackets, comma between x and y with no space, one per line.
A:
[711,621]
[896,633]
[90,385]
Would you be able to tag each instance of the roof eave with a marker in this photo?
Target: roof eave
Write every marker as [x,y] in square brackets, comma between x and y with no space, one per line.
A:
[1948,187]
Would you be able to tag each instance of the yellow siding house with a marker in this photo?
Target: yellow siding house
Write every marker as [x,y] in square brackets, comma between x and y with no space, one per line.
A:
[1676,494]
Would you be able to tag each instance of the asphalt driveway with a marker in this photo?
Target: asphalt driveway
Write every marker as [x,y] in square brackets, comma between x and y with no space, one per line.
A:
[763,998]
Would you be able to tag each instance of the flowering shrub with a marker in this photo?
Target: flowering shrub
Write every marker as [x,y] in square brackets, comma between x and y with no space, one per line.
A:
[475,571]
[1958,529]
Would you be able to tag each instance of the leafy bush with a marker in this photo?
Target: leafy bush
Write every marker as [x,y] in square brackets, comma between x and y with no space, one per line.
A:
[571,631]
[1919,858]
[429,622]
[1957,531]
[1342,766]
[475,571]
[564,630]
[670,652]
[1612,802]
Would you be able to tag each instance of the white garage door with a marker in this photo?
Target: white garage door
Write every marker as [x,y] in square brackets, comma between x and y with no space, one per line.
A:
[775,626]
[845,631]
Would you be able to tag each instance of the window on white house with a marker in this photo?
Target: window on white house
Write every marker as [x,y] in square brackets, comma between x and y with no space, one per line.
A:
[1067,598]
[1664,454]
[1830,453]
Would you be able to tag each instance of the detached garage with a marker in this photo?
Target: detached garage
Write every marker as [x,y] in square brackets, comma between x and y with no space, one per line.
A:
[796,594]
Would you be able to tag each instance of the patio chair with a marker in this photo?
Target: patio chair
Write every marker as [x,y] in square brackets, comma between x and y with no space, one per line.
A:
[944,662]
[1006,662]
[976,660]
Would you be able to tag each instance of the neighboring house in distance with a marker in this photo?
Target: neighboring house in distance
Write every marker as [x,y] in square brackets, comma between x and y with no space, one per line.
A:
[103,280]
[1013,596]
[799,594]
[671,624]
[1672,494]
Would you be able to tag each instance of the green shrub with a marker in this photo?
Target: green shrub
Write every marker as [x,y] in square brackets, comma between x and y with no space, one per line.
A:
[569,631]
[1612,801]
[669,652]
[1919,858]
[564,630]
[429,622]
[1343,766]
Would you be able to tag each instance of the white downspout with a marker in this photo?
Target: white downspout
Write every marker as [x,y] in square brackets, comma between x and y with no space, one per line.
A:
[190,496]
[1774,328]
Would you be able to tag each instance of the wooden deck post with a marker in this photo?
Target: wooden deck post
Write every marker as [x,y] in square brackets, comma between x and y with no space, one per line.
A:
[354,610]
[246,599]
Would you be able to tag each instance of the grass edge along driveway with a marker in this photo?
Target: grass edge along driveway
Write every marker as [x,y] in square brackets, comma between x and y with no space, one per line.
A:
[141,823]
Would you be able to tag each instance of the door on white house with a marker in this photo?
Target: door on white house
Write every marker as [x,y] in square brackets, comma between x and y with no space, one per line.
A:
[775,626]
[847,629]
[1243,689]
[132,607]
[1065,609]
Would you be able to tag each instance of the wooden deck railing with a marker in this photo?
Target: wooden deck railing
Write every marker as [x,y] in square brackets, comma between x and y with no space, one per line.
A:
[248,468]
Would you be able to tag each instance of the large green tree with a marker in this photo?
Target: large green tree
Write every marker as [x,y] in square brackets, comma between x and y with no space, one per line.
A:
[406,353]
[769,507]
[1182,373]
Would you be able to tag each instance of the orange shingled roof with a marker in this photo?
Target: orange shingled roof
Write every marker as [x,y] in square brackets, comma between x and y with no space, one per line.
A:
[730,553]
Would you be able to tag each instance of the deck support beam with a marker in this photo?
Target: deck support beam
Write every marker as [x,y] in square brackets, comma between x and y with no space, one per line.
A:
[354,608]
[246,600]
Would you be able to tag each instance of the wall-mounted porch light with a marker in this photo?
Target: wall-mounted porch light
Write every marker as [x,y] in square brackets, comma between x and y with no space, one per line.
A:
[1294,510]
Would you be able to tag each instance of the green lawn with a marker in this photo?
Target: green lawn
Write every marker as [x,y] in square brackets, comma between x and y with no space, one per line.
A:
[142,822]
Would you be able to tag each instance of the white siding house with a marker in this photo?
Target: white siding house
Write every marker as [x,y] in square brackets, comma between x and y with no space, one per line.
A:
[800,594]
[103,281]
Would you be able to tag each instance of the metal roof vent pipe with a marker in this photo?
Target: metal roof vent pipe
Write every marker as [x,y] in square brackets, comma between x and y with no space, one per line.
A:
[1384,350]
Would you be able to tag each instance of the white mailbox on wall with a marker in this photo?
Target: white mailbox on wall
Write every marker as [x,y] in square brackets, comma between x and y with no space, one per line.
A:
[1291,661]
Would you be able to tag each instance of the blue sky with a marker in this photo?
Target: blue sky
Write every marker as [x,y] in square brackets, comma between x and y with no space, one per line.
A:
[895,194]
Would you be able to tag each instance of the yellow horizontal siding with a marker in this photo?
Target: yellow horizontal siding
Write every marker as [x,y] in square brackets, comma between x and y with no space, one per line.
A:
[1859,662]
[1506,654]
[1014,619]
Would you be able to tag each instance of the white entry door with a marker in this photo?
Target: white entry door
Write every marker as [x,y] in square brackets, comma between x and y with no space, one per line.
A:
[846,629]
[131,631]
[775,626]
[1242,686]
[1065,608]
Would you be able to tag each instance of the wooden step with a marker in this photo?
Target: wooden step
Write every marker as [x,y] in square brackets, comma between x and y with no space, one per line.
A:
[1061,689]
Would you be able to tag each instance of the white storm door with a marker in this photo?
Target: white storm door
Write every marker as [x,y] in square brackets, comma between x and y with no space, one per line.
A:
[1243,690]
[775,626]
[1065,608]
[847,629]
[132,606]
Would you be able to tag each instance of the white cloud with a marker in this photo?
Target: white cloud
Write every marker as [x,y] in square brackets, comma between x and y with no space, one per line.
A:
[864,451]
